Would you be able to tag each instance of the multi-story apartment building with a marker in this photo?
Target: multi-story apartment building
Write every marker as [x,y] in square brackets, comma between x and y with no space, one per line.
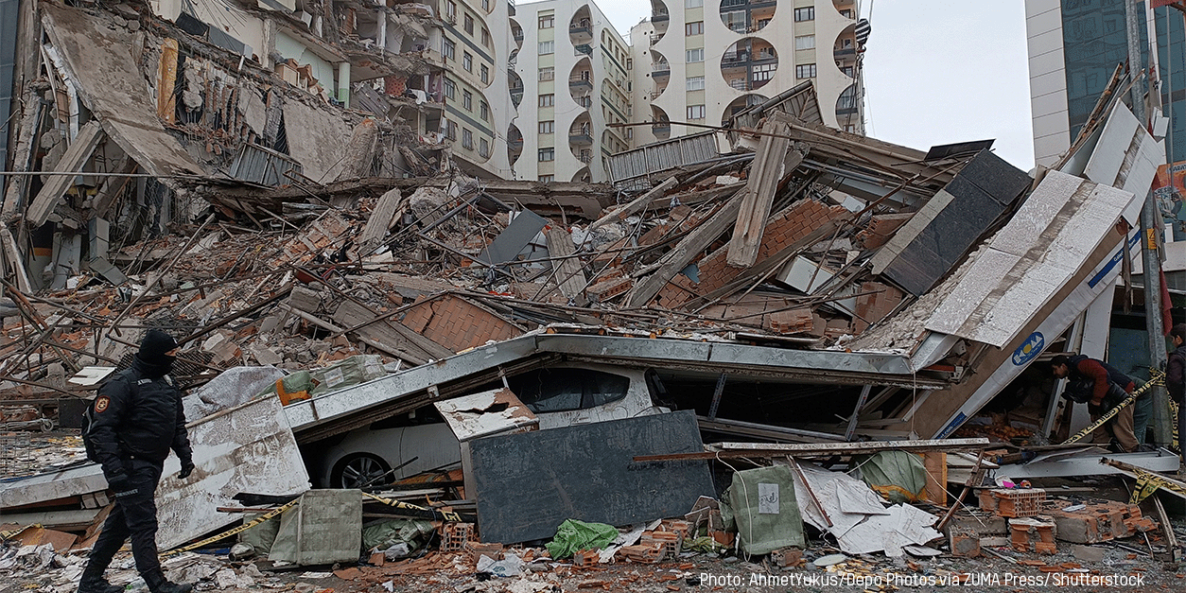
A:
[701,61]
[1074,47]
[569,80]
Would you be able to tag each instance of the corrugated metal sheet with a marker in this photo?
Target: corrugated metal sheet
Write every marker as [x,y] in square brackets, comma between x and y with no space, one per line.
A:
[631,169]
[1049,239]
[263,166]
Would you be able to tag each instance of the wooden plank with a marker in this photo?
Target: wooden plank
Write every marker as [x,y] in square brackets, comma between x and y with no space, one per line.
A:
[166,99]
[767,450]
[935,463]
[13,261]
[677,259]
[76,156]
[569,272]
[765,173]
[369,342]
[636,204]
[396,334]
[380,221]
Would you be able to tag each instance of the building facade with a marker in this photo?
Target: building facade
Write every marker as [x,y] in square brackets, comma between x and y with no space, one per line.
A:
[570,82]
[701,61]
[1074,47]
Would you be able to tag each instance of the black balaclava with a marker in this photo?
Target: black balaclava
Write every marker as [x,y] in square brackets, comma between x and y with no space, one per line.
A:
[153,349]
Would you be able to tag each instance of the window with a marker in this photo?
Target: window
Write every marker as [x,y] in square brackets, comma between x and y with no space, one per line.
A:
[695,55]
[629,63]
[547,154]
[850,128]
[693,3]
[467,100]
[469,24]
[547,47]
[467,139]
[629,133]
[485,74]
[546,22]
[547,127]
[695,83]
[805,42]
[547,100]
[695,112]
[448,48]
[805,14]
[848,71]
[805,71]
[451,12]
[847,13]
[547,178]
[450,88]
[483,148]
[486,5]
[559,389]
[451,131]
[696,28]
[547,73]
[486,37]
[467,61]
[484,110]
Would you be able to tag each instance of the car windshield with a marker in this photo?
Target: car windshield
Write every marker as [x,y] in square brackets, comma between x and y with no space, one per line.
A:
[559,390]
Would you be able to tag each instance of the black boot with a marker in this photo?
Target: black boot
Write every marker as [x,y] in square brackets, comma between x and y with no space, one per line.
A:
[92,581]
[157,583]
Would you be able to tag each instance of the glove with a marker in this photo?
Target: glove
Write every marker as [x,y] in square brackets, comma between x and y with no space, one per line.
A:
[187,468]
[118,483]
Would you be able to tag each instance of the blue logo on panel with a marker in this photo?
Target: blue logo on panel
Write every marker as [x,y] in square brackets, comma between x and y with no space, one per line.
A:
[1031,347]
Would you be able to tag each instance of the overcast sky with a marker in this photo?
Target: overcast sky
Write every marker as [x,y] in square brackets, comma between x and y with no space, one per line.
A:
[936,71]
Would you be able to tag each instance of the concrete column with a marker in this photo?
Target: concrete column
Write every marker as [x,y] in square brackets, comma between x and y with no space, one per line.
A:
[344,83]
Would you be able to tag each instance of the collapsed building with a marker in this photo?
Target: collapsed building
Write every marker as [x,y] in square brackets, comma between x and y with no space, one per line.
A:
[809,287]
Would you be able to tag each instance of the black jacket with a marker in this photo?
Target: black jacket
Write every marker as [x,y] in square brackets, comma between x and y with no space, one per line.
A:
[1175,374]
[138,413]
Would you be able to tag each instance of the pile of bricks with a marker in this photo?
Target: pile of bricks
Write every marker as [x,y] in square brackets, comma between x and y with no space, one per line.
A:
[1019,502]
[964,542]
[605,290]
[795,321]
[1033,534]
[786,557]
[476,550]
[1100,522]
[669,540]
[644,553]
[586,558]
[454,536]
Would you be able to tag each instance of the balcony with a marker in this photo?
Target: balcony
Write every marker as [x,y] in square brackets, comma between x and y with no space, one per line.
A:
[735,59]
[844,54]
[516,95]
[661,129]
[583,49]
[585,158]
[581,29]
[518,36]
[577,85]
[660,17]
[580,138]
[660,70]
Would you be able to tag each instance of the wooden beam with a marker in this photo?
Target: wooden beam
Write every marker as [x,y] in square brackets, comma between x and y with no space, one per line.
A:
[769,450]
[76,156]
[636,204]
[166,99]
[392,333]
[677,259]
[765,174]
[569,273]
[13,260]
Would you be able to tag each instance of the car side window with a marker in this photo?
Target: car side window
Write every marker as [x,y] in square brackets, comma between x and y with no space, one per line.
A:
[424,415]
[560,390]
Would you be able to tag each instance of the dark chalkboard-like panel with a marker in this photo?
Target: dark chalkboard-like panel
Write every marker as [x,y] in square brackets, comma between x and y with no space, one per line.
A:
[528,484]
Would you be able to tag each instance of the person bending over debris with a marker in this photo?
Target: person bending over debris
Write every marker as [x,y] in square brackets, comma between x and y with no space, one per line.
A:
[137,417]
[1102,386]
[1175,383]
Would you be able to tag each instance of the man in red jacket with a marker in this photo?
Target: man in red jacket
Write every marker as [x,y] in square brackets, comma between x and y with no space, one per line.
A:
[1107,387]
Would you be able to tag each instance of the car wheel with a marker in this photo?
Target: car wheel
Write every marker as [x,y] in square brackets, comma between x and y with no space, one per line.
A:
[359,470]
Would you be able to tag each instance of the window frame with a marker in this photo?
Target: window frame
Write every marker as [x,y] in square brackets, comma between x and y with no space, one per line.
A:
[689,80]
[804,14]
[688,55]
[549,124]
[550,45]
[547,21]
[693,28]
[467,138]
[547,100]
[692,110]
[549,151]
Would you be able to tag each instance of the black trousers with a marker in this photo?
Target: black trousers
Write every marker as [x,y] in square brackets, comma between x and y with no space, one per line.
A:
[134,515]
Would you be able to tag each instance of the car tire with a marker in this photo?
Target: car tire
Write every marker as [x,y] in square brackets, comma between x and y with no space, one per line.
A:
[354,471]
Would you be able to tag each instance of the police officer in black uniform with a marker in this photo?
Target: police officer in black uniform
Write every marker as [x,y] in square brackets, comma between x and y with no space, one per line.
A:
[138,418]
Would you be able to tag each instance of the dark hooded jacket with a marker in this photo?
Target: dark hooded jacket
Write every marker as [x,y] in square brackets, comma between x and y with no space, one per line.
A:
[138,414]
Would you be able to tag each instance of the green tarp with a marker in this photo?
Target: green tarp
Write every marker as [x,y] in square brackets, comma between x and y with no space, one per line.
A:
[576,535]
[898,476]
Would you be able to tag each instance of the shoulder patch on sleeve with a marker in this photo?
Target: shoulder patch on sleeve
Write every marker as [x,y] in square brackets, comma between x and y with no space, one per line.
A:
[101,404]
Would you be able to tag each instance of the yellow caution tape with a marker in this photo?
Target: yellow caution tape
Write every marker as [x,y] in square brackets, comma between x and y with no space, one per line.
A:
[1148,483]
[1157,378]
[446,515]
[1176,441]
[235,531]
